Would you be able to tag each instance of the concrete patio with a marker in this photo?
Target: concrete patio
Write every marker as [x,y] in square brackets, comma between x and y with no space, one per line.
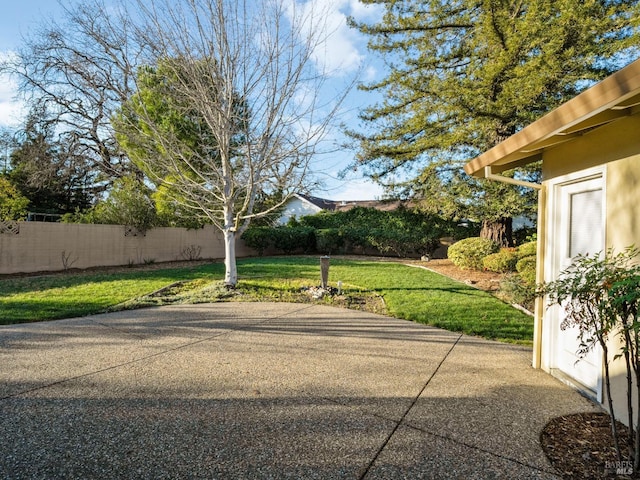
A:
[269,390]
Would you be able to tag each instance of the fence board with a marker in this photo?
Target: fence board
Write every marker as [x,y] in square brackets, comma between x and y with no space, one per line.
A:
[46,246]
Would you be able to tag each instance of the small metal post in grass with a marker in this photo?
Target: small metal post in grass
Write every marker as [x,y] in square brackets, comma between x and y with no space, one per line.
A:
[324,271]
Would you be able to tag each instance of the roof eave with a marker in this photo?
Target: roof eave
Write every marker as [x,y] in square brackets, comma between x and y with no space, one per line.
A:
[613,98]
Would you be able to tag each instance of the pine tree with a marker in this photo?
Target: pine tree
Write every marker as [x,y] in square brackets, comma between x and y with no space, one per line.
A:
[465,75]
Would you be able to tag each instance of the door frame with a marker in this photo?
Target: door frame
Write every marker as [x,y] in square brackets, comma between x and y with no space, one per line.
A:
[553,232]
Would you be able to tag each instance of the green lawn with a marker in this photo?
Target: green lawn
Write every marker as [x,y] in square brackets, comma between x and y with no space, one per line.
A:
[49,297]
[409,293]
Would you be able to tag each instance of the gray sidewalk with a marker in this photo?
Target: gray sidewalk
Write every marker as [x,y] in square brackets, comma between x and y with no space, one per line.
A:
[268,390]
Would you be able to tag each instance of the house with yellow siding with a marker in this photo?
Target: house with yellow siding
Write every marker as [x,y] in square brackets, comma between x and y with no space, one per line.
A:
[589,201]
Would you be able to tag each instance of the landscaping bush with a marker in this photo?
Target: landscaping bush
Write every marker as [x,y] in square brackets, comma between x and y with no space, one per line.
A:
[13,205]
[520,287]
[258,238]
[527,249]
[513,289]
[501,262]
[526,267]
[386,241]
[355,236]
[400,232]
[292,239]
[328,240]
[320,220]
[468,253]
[402,244]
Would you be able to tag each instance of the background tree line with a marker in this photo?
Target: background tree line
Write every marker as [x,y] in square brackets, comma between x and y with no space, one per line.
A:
[464,75]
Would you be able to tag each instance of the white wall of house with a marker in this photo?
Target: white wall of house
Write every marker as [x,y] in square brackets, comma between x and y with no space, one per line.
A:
[297,207]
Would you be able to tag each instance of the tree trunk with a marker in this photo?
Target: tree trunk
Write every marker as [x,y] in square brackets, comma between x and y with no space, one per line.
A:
[229,231]
[500,231]
[230,269]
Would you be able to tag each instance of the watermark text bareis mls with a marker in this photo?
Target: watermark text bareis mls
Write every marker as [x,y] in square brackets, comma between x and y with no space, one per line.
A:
[621,468]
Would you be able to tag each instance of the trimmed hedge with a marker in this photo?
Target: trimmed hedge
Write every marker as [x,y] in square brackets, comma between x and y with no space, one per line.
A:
[526,267]
[470,252]
[328,240]
[292,239]
[527,249]
[258,238]
[400,232]
[286,239]
[501,262]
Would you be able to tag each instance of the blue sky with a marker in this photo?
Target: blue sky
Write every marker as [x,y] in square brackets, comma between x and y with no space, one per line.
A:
[346,50]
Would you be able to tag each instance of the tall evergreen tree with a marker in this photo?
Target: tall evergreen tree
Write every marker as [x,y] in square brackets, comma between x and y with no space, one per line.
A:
[466,74]
[53,177]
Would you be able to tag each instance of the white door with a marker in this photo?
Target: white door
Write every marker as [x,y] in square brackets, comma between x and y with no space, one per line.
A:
[578,229]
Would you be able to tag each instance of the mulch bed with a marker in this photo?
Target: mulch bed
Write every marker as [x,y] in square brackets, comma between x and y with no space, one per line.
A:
[580,446]
[484,280]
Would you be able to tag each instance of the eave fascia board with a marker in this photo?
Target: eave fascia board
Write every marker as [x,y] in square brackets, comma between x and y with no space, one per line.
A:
[615,90]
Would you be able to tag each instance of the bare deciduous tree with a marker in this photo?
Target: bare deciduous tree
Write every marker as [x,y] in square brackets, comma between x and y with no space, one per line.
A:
[244,71]
[79,72]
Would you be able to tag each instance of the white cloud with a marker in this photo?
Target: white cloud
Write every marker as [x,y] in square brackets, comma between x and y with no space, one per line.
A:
[305,97]
[357,190]
[361,12]
[338,54]
[370,73]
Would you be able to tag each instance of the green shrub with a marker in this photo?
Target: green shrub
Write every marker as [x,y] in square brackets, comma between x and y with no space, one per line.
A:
[520,287]
[527,249]
[403,243]
[402,232]
[355,236]
[13,205]
[291,239]
[320,220]
[501,262]
[387,241]
[514,289]
[328,240]
[526,267]
[258,238]
[468,253]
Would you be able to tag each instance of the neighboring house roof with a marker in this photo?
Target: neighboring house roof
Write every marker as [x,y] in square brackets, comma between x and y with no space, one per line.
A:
[613,98]
[384,205]
[322,203]
[342,205]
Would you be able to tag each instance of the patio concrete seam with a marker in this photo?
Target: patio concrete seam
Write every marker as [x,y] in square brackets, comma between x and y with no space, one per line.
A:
[112,367]
[479,449]
[146,357]
[123,331]
[404,415]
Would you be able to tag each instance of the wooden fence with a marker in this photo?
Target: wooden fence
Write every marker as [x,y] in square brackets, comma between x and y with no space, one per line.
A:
[43,246]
